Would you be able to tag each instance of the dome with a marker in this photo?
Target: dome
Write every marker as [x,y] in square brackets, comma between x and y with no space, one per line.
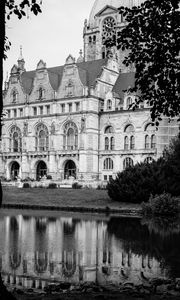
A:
[100,4]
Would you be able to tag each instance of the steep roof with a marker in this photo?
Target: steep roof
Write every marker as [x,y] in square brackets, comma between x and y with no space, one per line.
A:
[124,81]
[88,72]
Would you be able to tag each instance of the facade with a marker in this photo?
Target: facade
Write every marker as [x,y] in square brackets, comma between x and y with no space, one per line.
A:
[73,120]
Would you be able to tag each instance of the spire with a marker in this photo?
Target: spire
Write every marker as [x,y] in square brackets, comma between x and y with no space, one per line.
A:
[21,61]
[80,58]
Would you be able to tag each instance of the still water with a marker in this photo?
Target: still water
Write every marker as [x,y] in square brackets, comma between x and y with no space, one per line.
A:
[39,247]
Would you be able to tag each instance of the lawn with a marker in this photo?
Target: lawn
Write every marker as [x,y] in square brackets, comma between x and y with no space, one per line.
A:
[61,197]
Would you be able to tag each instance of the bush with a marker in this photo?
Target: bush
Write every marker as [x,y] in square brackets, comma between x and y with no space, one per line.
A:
[76,185]
[26,185]
[49,177]
[52,186]
[163,204]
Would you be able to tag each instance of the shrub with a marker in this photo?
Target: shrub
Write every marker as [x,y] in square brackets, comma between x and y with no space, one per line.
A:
[52,185]
[26,185]
[49,177]
[163,204]
[76,185]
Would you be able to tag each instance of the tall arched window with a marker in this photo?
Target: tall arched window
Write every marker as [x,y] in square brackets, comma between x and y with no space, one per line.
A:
[15,139]
[109,138]
[70,140]
[150,137]
[129,139]
[42,138]
[40,93]
[128,102]
[14,95]
[128,162]
[108,164]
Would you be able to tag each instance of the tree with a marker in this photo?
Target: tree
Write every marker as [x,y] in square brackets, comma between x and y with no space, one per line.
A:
[152,41]
[7,9]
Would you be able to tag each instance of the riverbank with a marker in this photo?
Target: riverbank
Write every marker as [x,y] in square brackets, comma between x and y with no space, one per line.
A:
[82,200]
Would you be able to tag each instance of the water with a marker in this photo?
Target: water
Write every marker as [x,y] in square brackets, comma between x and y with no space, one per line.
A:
[41,247]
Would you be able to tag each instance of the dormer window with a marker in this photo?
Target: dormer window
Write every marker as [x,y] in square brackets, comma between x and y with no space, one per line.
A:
[69,89]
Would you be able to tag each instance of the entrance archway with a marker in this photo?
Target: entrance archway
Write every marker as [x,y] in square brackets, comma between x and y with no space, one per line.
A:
[15,170]
[69,169]
[41,170]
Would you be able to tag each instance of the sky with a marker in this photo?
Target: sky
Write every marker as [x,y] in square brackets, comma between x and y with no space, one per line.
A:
[50,36]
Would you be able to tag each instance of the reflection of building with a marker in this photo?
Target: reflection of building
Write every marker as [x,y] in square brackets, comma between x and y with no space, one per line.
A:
[64,249]
[73,120]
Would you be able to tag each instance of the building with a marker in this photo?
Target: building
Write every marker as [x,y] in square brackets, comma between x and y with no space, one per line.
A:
[73,120]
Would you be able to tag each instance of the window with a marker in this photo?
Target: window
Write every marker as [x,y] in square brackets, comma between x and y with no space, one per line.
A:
[63,108]
[20,112]
[153,141]
[77,106]
[41,110]
[90,39]
[48,109]
[106,143]
[35,111]
[126,143]
[108,164]
[70,141]
[15,113]
[69,89]
[105,177]
[40,93]
[147,144]
[129,139]
[14,96]
[9,113]
[109,104]
[109,129]
[128,102]
[94,38]
[132,142]
[15,139]
[112,143]
[70,107]
[42,138]
[128,162]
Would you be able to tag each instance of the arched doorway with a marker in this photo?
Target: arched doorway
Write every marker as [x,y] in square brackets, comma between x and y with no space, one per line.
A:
[15,170]
[41,170]
[69,169]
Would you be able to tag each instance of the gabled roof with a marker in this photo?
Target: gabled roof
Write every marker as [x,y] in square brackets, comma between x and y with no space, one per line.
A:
[88,72]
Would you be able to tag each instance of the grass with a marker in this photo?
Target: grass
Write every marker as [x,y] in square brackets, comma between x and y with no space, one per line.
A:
[61,197]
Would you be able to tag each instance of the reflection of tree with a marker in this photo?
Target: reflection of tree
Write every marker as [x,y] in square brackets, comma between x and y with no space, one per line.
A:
[15,255]
[141,239]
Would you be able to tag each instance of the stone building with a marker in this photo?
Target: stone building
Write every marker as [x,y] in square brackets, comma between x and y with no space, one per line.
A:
[73,120]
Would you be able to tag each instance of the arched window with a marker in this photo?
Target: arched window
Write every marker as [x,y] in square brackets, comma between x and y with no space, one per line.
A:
[132,142]
[147,144]
[112,143]
[153,141]
[70,140]
[128,162]
[106,143]
[14,95]
[129,139]
[90,39]
[126,143]
[109,104]
[70,89]
[15,139]
[42,138]
[94,38]
[108,164]
[109,129]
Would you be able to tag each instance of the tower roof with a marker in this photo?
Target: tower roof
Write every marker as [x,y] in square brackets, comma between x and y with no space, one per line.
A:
[100,4]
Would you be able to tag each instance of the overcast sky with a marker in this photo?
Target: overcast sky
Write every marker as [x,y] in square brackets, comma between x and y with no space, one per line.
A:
[51,36]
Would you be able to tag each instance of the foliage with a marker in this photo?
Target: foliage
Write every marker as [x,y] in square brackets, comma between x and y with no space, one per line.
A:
[76,185]
[137,183]
[52,185]
[152,41]
[163,204]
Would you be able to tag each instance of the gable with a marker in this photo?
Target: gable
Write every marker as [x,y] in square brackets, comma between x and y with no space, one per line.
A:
[107,10]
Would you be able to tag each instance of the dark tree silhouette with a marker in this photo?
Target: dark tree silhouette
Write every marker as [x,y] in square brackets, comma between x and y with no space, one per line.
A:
[7,9]
[152,41]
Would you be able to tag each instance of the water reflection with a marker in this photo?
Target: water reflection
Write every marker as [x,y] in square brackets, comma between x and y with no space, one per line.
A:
[38,249]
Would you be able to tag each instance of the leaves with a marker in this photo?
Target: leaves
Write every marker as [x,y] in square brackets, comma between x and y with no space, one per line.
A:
[20,10]
[152,39]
